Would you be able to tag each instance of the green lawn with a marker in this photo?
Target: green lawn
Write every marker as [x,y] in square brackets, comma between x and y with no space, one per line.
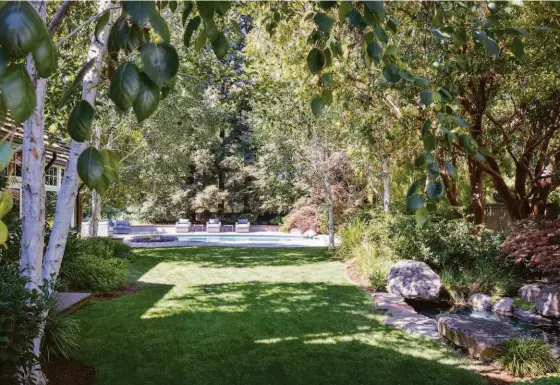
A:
[252,316]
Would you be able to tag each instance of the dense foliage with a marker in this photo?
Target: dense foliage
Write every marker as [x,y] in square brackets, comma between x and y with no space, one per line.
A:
[466,259]
[95,264]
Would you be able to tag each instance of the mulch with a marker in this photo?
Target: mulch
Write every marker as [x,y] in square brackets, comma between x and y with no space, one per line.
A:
[61,371]
[128,290]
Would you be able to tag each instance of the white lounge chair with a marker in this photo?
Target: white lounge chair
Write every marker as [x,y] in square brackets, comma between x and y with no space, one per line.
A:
[183,226]
[242,226]
[214,226]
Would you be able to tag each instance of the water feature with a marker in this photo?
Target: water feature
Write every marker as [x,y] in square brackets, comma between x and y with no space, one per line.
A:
[550,335]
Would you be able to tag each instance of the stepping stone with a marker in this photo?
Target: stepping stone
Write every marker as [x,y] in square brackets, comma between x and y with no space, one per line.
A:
[393,305]
[428,330]
[481,337]
[401,322]
[534,318]
[387,297]
[401,312]
[67,300]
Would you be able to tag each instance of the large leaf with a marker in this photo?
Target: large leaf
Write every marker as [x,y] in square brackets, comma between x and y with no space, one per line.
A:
[6,202]
[220,46]
[429,142]
[90,167]
[420,161]
[140,11]
[432,170]
[517,48]
[125,86]
[450,169]
[221,7]
[173,6]
[46,57]
[461,122]
[323,21]
[79,78]
[205,9]
[80,121]
[148,98]
[3,61]
[422,217]
[6,154]
[21,28]
[426,127]
[414,187]
[317,106]
[3,233]
[200,40]
[392,73]
[160,62]
[377,7]
[160,27]
[101,23]
[493,46]
[381,35]
[414,202]
[421,82]
[427,97]
[188,7]
[375,51]
[122,36]
[111,164]
[19,92]
[435,190]
[316,60]
[344,9]
[192,26]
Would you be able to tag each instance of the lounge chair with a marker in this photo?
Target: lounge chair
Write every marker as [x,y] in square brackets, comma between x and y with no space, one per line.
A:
[213,226]
[242,226]
[183,226]
[121,227]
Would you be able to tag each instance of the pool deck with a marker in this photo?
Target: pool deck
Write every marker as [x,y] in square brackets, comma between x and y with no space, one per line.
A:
[291,240]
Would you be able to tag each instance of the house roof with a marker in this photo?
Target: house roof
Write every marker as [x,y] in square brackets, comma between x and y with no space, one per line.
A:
[52,144]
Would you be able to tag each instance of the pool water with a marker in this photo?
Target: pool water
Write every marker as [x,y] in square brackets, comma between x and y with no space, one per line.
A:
[550,335]
[240,238]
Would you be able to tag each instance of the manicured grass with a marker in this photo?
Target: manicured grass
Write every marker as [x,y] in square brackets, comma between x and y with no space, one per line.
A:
[252,316]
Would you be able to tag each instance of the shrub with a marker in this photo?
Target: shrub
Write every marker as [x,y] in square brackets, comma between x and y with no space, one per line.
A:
[89,272]
[20,318]
[61,334]
[521,304]
[303,219]
[96,264]
[536,245]
[527,357]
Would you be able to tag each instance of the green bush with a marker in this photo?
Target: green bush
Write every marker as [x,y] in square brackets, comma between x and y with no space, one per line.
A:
[88,272]
[20,319]
[527,357]
[97,264]
[61,334]
[521,304]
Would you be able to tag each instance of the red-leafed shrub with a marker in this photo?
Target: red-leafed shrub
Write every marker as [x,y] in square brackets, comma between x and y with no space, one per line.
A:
[304,219]
[536,245]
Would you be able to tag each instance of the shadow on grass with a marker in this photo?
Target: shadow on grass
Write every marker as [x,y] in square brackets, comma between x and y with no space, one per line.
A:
[255,333]
[216,257]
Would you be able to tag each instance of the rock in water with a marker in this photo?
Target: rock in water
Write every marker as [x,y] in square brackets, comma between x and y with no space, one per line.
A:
[481,337]
[548,301]
[480,302]
[503,307]
[530,292]
[414,280]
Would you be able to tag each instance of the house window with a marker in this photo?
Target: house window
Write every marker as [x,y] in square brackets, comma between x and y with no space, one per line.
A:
[51,176]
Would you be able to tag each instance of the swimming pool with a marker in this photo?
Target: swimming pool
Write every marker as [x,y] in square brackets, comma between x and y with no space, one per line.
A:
[246,240]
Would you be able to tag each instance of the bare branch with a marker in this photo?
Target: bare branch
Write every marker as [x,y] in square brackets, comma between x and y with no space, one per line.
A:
[59,16]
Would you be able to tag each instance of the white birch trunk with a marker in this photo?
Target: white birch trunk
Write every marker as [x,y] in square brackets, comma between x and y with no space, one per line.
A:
[386,168]
[95,201]
[69,187]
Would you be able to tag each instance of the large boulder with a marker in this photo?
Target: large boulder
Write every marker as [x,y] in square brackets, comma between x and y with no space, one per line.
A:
[534,318]
[480,302]
[414,280]
[481,337]
[548,301]
[530,292]
[503,307]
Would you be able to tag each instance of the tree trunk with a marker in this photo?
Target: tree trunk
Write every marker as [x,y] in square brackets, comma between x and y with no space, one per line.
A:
[477,192]
[331,224]
[95,201]
[69,188]
[386,168]
[33,197]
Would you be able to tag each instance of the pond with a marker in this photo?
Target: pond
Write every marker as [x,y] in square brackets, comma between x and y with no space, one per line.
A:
[550,335]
